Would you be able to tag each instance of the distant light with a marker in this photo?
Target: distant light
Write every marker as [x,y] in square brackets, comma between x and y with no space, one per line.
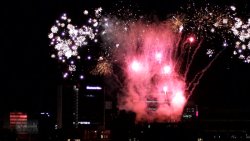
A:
[65,75]
[200,139]
[93,88]
[76,88]
[178,99]
[81,77]
[243,47]
[158,56]
[136,66]
[84,122]
[85,12]
[225,21]
[212,30]
[43,113]
[191,39]
[74,47]
[89,57]
[167,69]
[100,58]
[149,126]
[196,113]
[225,44]
[53,56]
[181,28]
[233,8]
[90,95]
[165,89]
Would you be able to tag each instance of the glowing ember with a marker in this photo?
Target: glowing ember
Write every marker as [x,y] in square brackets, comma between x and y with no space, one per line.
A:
[191,39]
[136,66]
[167,69]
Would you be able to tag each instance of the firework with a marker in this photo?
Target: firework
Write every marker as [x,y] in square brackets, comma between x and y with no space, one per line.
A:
[242,46]
[155,89]
[103,67]
[209,21]
[67,39]
[178,22]
[155,57]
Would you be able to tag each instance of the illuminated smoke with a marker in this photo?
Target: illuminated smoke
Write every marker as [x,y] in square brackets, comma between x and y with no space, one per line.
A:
[154,89]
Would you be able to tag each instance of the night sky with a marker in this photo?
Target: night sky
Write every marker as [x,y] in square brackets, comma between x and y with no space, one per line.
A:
[29,77]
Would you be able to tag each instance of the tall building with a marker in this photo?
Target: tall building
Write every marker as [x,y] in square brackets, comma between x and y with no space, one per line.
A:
[85,108]
[91,106]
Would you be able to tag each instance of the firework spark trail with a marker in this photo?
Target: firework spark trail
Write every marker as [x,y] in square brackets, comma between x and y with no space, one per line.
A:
[192,59]
[193,83]
[182,55]
[179,55]
[188,60]
[175,54]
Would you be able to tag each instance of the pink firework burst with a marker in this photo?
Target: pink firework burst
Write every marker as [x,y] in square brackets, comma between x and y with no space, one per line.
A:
[156,62]
[155,90]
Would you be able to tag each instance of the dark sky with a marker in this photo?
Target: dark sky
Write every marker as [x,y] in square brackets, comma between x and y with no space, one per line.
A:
[30,76]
